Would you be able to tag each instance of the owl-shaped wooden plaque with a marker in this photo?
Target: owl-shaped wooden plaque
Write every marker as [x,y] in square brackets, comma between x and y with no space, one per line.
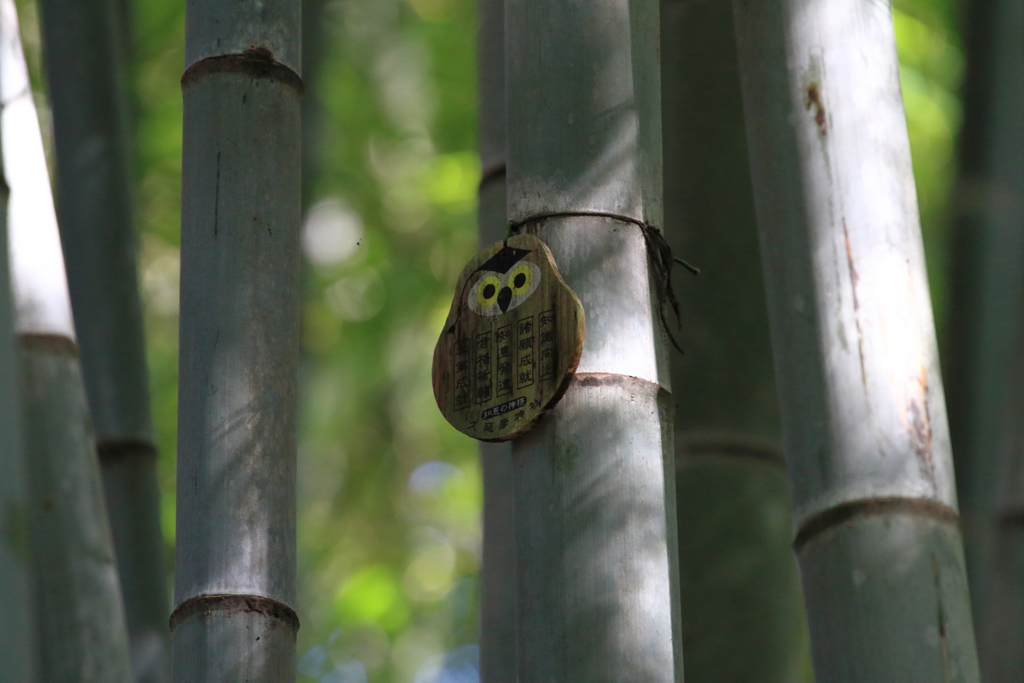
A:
[510,345]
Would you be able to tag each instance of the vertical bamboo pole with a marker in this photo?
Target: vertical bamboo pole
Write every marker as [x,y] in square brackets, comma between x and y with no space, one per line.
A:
[861,399]
[497,571]
[17,625]
[78,600]
[235,566]
[985,268]
[960,336]
[593,484]
[84,55]
[742,609]
[1001,630]
[985,359]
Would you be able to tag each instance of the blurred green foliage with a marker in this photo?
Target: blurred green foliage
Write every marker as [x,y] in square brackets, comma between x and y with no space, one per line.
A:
[389,494]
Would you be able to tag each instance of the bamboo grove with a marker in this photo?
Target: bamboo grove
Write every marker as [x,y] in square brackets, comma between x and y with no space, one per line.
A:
[232,231]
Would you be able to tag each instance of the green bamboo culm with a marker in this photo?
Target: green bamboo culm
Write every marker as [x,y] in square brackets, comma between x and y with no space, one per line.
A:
[497,568]
[79,611]
[983,349]
[742,608]
[79,608]
[18,645]
[861,400]
[234,615]
[87,87]
[594,489]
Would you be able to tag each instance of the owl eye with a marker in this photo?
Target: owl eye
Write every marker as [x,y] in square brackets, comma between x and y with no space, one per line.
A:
[520,279]
[487,291]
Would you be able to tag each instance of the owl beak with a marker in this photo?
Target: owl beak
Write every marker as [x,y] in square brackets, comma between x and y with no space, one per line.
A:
[504,298]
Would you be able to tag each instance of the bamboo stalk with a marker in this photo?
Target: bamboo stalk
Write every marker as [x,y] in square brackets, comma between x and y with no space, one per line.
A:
[861,399]
[497,571]
[18,646]
[984,356]
[596,571]
[78,601]
[742,610]
[1002,627]
[81,615]
[241,209]
[84,55]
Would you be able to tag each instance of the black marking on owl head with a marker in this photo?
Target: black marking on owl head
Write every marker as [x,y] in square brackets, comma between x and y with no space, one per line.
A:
[503,260]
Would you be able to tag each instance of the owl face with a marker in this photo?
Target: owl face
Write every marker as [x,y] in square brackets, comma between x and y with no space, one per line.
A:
[496,293]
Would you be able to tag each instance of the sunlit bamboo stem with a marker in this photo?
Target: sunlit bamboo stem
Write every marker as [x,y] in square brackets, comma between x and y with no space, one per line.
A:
[239,344]
[87,86]
[78,599]
[593,483]
[861,398]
